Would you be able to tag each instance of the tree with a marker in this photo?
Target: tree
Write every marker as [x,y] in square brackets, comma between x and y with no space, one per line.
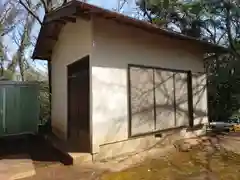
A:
[8,20]
[8,17]
[216,21]
[222,17]
[22,39]
[173,15]
[47,5]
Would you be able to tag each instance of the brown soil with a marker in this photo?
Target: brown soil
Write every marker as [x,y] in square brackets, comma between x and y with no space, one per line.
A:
[201,162]
[207,160]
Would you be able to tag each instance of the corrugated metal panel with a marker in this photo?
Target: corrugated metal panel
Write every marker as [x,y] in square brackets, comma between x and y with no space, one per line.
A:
[29,108]
[12,110]
[19,107]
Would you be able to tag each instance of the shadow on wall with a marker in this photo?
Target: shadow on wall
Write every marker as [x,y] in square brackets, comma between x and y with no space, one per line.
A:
[152,91]
[110,117]
[166,94]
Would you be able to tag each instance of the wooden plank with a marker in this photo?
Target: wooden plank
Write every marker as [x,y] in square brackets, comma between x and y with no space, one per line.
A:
[68,19]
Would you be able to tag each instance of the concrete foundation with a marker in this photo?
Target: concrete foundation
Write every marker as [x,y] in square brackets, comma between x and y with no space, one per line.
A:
[145,143]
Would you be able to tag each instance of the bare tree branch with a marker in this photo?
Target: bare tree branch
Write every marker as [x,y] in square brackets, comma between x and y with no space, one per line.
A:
[121,4]
[44,5]
[220,38]
[30,12]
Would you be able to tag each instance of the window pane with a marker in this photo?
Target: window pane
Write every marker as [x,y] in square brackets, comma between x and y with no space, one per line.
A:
[199,98]
[142,104]
[164,100]
[181,97]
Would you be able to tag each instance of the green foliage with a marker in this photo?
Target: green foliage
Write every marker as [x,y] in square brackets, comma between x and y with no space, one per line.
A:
[185,16]
[216,21]
[224,84]
[32,75]
[44,102]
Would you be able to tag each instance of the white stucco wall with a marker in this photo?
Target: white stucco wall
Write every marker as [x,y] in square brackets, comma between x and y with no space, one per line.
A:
[115,46]
[112,47]
[75,42]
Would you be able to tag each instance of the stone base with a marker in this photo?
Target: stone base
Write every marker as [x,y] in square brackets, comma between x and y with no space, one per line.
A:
[131,146]
[145,143]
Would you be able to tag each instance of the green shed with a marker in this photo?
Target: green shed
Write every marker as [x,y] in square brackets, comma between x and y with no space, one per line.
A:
[19,108]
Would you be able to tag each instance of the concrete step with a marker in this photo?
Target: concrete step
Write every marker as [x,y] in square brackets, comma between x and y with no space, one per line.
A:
[66,148]
[80,157]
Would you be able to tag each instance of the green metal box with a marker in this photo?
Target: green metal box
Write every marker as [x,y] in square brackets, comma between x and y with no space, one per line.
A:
[19,108]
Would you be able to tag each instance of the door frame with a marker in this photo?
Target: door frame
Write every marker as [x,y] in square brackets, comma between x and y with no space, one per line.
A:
[85,59]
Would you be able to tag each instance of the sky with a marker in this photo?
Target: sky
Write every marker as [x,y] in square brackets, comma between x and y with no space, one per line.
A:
[42,65]
[111,4]
[104,3]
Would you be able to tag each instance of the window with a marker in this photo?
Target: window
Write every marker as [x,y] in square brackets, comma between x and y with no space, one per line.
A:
[159,99]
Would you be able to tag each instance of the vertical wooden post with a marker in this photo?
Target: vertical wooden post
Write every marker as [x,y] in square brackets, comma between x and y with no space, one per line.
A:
[190,99]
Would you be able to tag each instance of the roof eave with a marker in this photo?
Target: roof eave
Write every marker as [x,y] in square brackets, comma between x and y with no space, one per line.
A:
[71,10]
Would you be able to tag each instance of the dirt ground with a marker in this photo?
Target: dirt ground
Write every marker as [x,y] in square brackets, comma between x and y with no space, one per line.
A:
[38,161]
[24,155]
[211,160]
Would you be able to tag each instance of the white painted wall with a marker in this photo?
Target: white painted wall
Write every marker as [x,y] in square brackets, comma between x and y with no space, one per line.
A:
[115,46]
[111,47]
[73,44]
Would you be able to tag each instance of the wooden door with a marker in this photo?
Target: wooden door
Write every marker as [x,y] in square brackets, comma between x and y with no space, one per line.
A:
[78,109]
